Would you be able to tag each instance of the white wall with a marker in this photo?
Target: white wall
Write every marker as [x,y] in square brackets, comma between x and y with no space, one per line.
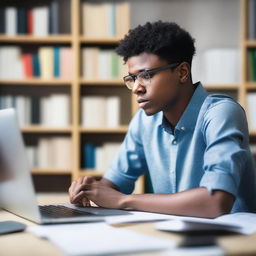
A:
[213,23]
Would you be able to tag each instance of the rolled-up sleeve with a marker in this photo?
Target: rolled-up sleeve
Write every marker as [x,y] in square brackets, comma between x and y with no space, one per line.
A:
[226,136]
[129,162]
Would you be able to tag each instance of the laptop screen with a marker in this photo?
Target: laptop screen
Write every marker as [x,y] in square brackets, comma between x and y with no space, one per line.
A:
[17,193]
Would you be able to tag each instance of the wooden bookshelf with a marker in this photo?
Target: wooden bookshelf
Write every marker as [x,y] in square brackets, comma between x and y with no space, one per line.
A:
[247,44]
[76,86]
[79,86]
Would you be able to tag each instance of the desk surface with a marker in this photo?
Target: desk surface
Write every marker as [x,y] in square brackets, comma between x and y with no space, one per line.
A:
[26,244]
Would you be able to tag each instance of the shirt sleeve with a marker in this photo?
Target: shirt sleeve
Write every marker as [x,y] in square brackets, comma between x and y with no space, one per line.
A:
[129,162]
[226,135]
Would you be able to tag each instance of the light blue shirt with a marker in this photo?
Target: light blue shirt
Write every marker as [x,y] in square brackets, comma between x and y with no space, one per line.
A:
[209,148]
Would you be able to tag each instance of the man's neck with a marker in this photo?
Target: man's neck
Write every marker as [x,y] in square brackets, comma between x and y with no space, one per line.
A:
[175,112]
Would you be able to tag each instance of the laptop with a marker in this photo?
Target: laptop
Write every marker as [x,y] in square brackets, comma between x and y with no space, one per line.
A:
[17,194]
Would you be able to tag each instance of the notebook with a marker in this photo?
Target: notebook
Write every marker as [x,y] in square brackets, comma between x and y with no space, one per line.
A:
[17,194]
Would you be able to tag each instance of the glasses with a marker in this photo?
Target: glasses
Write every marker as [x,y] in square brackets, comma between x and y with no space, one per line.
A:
[144,77]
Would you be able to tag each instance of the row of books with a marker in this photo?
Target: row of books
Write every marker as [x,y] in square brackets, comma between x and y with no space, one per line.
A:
[51,110]
[221,66]
[99,157]
[251,70]
[38,20]
[46,63]
[101,64]
[105,19]
[251,106]
[50,153]
[251,19]
[100,111]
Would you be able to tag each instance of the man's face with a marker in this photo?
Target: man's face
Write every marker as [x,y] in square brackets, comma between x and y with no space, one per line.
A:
[162,92]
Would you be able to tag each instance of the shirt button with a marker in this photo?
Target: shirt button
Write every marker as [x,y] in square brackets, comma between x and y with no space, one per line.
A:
[183,128]
[174,142]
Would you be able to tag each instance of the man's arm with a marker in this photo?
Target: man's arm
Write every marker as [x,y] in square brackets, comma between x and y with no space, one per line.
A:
[196,202]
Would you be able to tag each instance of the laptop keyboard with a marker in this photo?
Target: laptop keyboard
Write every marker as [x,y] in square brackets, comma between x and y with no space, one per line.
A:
[60,211]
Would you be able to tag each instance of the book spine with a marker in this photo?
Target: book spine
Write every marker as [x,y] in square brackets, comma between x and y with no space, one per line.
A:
[2,20]
[89,156]
[56,60]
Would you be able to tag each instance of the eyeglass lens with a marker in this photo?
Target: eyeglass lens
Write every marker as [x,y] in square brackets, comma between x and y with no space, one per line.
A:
[143,78]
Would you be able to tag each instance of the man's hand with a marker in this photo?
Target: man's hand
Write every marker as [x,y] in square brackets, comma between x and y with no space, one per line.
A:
[104,196]
[76,195]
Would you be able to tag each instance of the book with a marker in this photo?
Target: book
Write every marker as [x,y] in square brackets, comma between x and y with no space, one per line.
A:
[54,17]
[89,155]
[105,154]
[56,61]
[2,20]
[61,152]
[66,63]
[90,60]
[21,20]
[35,110]
[40,21]
[59,110]
[251,19]
[113,111]
[222,66]
[122,19]
[44,153]
[45,54]
[27,60]
[11,21]
[55,110]
[239,222]
[64,17]
[36,65]
[251,106]
[30,26]
[93,111]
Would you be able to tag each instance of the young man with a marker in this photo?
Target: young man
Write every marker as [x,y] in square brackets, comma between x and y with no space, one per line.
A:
[193,145]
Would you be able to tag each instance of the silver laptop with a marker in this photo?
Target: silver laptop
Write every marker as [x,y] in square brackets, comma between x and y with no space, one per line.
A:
[17,194]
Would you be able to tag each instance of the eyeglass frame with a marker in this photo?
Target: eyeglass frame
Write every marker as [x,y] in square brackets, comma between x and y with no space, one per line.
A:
[150,71]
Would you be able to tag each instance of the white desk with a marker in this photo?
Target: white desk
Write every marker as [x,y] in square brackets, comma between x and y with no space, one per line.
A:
[26,244]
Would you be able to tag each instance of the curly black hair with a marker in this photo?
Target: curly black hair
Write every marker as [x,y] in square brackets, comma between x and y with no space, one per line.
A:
[164,39]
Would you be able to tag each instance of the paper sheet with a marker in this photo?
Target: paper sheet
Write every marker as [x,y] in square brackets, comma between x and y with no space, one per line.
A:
[245,221]
[137,216]
[99,239]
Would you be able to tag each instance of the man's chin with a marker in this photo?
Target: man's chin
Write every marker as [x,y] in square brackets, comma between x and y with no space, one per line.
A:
[149,112]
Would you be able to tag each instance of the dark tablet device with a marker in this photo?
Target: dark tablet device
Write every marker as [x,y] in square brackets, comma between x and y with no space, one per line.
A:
[187,226]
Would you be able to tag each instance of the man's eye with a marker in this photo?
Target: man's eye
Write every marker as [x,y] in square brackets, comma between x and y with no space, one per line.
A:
[145,75]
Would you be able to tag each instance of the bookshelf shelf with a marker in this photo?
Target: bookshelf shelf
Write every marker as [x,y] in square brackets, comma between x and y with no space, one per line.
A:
[250,44]
[253,133]
[36,82]
[122,129]
[50,171]
[42,129]
[112,82]
[102,41]
[222,86]
[251,85]
[66,39]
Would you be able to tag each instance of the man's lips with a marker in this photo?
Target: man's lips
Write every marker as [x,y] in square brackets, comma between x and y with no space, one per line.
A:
[142,102]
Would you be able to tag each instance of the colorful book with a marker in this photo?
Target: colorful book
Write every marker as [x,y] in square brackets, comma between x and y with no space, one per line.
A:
[56,61]
[89,156]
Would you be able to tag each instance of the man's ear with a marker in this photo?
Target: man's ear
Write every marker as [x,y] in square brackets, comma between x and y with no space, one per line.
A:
[184,70]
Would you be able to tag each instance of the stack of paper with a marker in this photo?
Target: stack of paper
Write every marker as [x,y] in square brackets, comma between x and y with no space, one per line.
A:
[99,239]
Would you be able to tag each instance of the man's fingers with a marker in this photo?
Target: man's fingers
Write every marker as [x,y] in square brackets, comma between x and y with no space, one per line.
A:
[78,197]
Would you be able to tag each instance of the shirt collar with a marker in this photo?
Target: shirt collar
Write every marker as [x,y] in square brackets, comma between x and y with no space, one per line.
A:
[189,116]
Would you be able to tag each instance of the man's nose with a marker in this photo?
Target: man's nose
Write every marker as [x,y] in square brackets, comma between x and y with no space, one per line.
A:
[138,88]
